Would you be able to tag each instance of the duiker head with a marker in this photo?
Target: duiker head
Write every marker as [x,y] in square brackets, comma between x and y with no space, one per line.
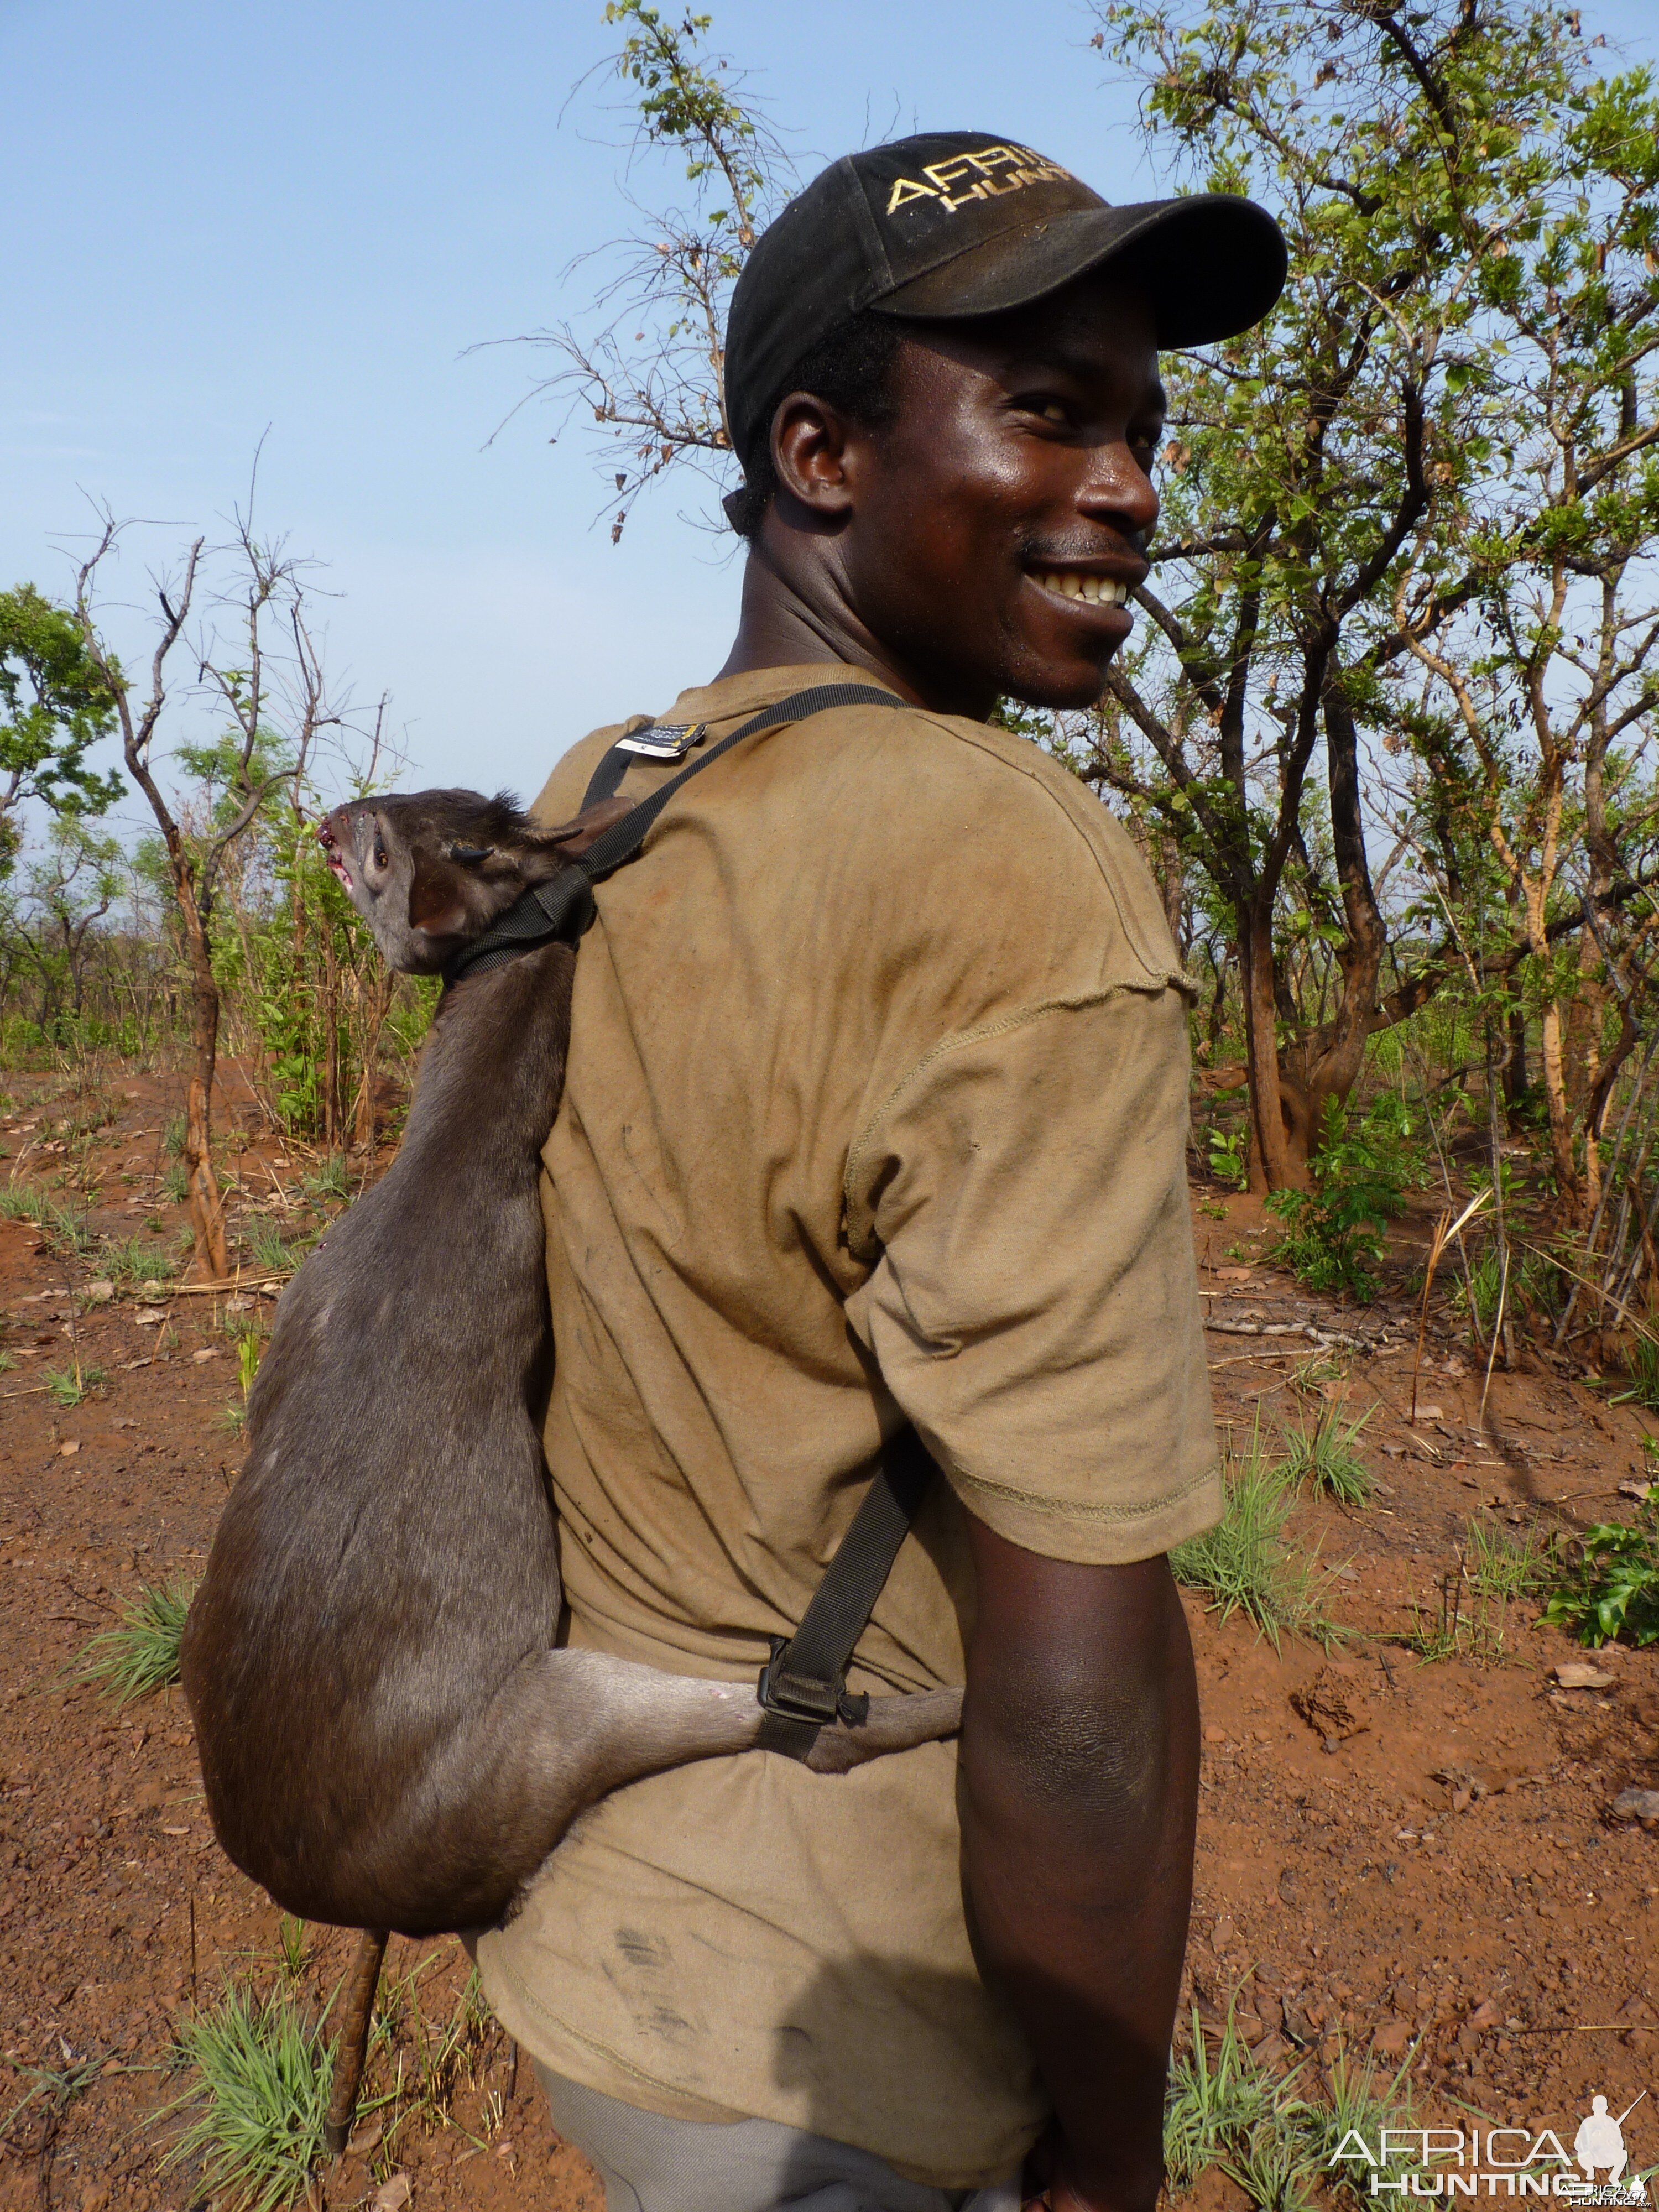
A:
[431,870]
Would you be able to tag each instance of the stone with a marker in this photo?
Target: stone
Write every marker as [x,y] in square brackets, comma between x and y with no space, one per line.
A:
[1582,1674]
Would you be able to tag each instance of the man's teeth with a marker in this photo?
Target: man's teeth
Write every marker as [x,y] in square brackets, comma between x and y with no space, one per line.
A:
[1098,591]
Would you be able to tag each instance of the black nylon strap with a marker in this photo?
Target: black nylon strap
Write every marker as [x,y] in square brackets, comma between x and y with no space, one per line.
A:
[624,839]
[614,765]
[564,906]
[803,1685]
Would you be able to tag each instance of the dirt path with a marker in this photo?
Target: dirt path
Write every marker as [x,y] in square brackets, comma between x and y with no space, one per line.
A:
[1444,1879]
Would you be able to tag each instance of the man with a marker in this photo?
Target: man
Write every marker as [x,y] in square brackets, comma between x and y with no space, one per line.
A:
[877,1113]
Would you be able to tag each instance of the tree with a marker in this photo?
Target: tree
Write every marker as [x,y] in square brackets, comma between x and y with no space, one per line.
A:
[1438,444]
[270,687]
[69,891]
[650,371]
[55,705]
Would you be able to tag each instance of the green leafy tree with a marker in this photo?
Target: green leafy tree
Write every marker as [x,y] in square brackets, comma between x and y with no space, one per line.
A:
[68,890]
[1414,506]
[55,705]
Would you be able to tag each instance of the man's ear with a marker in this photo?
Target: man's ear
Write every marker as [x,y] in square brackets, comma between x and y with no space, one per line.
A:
[437,897]
[809,455]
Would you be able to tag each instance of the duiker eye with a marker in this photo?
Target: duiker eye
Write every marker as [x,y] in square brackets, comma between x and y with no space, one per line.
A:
[379,855]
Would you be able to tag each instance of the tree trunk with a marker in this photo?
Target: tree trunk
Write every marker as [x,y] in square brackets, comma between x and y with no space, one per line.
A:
[1515,1067]
[1278,1117]
[202,1195]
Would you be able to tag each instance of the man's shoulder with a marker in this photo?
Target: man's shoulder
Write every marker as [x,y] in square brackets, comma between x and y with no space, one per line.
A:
[942,797]
[976,812]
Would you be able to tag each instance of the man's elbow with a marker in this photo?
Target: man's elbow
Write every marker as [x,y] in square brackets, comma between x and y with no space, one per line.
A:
[1098,1750]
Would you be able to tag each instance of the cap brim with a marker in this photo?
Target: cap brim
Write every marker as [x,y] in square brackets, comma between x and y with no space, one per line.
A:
[1212,264]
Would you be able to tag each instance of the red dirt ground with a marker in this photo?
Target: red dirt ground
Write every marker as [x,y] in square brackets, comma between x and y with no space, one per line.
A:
[1429,1864]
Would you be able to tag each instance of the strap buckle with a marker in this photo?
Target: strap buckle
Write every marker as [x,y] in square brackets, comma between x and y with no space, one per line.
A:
[807,1698]
[666,741]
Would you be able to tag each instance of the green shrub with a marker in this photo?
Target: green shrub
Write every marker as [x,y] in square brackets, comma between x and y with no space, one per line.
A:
[1333,1238]
[1605,1582]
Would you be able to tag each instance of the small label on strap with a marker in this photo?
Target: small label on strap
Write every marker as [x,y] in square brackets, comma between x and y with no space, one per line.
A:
[670,741]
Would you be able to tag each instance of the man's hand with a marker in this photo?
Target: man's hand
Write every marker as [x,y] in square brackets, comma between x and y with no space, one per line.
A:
[1079,1749]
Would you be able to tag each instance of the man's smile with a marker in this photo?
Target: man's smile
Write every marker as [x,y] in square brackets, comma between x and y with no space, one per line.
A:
[1081,586]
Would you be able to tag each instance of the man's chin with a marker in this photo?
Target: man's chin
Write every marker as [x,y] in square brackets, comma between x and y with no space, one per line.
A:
[1064,690]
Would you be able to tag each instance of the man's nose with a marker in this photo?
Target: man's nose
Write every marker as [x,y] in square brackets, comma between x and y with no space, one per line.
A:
[1117,489]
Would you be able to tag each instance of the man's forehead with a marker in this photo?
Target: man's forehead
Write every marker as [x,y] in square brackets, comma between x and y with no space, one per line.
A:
[1103,335]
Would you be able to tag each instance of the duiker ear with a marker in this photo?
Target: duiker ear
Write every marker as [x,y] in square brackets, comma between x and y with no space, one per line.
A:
[437,899]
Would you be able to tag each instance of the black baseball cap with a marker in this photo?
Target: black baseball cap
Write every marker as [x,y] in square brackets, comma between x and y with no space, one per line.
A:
[952,224]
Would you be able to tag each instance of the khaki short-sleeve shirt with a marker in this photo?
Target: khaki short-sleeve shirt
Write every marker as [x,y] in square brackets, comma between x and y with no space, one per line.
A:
[875,1111]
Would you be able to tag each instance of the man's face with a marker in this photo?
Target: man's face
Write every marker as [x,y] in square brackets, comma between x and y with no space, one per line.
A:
[998,523]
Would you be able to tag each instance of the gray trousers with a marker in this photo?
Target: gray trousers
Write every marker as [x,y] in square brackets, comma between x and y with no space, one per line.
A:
[649,2164]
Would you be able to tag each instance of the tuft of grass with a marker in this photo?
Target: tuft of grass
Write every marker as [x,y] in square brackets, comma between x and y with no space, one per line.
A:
[132,1261]
[272,1255]
[70,1385]
[59,1227]
[1491,1573]
[258,2100]
[1245,1563]
[293,1952]
[1605,1582]
[140,1654]
[1224,2109]
[1320,1455]
[175,1182]
[1216,2099]
[1362,2099]
[332,1180]
[1506,1567]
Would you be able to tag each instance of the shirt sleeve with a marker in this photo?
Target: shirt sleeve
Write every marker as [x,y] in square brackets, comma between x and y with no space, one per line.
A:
[1033,1306]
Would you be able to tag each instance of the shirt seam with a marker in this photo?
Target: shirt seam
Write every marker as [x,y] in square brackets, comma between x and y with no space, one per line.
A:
[1005,1023]
[1103,1509]
[1126,921]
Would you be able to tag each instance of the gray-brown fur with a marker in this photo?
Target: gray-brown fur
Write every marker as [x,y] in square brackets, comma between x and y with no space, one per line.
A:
[388,1736]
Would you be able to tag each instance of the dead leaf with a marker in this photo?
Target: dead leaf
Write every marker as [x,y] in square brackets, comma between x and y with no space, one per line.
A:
[392,2196]
[1636,1805]
[68,1451]
[1638,1490]
[1485,2016]
[99,1294]
[1582,1674]
[1232,1275]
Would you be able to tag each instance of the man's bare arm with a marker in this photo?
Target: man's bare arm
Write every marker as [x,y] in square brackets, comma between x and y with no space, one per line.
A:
[1079,1748]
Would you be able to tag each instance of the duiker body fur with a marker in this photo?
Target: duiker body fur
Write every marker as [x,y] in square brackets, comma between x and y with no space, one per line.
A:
[388,1736]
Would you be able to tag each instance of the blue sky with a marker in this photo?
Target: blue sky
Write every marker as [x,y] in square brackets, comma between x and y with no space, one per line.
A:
[228,221]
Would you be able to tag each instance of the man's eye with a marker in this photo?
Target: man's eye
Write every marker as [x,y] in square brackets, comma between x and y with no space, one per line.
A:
[1053,410]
